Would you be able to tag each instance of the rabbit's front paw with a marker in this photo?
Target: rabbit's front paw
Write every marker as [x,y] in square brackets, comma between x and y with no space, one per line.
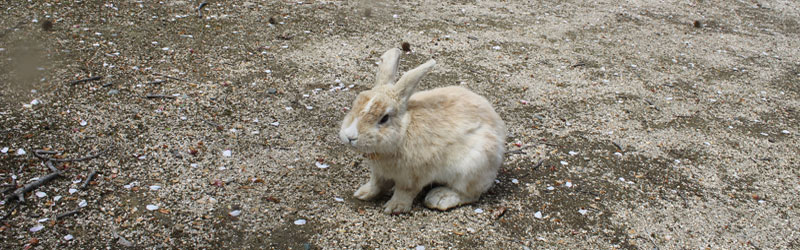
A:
[394,206]
[367,191]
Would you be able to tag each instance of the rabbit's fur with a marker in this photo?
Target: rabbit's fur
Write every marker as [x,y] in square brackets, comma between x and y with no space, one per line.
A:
[448,136]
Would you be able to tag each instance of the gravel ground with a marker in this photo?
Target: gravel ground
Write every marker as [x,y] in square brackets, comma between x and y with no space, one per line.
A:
[636,124]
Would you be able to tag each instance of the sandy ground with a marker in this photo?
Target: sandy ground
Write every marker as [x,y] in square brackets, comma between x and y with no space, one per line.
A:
[636,124]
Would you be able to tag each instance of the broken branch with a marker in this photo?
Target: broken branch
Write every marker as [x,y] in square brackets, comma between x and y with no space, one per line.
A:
[89,179]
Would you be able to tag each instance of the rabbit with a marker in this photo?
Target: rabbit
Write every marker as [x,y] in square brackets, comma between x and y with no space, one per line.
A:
[446,136]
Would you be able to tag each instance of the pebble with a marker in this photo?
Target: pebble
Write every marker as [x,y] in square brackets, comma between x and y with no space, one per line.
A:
[338,199]
[83,203]
[41,194]
[419,248]
[20,151]
[226,153]
[151,207]
[515,181]
[68,237]
[37,228]
[57,198]
[568,184]
[235,213]
[564,163]
[113,92]
[124,242]
[84,123]
[573,153]
[786,132]
[478,210]
[4,150]
[72,191]
[300,222]
[583,211]
[321,165]
[272,91]
[538,215]
[155,187]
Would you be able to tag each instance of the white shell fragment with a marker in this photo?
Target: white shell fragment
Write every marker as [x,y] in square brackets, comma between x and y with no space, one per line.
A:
[275,124]
[43,220]
[4,150]
[478,210]
[321,165]
[57,198]
[72,191]
[786,132]
[226,153]
[151,207]
[582,211]
[155,187]
[37,228]
[338,199]
[20,151]
[83,123]
[68,237]
[573,153]
[538,215]
[83,203]
[515,181]
[235,213]
[300,222]
[564,163]
[41,194]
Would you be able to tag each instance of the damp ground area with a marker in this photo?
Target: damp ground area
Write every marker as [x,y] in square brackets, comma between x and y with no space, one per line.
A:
[203,125]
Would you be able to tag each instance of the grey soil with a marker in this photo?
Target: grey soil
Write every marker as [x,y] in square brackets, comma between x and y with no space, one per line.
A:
[631,124]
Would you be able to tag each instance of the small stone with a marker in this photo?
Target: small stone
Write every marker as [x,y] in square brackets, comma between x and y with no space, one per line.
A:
[568,184]
[151,207]
[235,213]
[300,222]
[564,163]
[338,199]
[272,91]
[550,188]
[21,151]
[786,132]
[113,92]
[226,153]
[573,153]
[72,191]
[68,237]
[57,198]
[37,228]
[83,203]
[538,215]
[321,165]
[124,242]
[84,123]
[40,194]
[419,248]
[4,150]
[478,210]
[582,211]
[515,181]
[155,187]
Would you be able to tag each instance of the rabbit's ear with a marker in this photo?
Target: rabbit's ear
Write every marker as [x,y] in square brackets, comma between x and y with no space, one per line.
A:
[387,70]
[408,82]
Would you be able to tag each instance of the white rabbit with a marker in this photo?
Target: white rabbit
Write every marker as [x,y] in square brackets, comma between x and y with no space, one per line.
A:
[447,136]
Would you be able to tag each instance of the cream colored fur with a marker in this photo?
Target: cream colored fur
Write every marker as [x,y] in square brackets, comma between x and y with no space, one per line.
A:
[447,136]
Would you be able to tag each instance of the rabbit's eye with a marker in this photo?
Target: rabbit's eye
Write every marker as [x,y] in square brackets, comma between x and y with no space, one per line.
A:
[384,119]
